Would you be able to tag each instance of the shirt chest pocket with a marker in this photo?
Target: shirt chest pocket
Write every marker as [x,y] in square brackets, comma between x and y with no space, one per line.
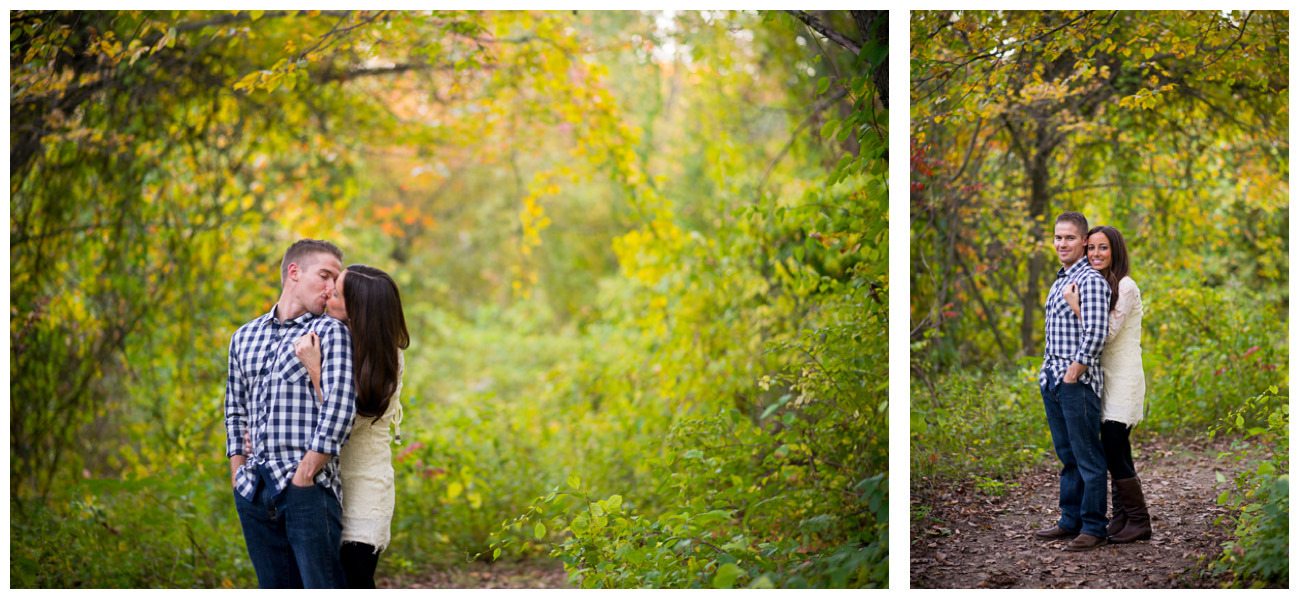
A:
[1057,306]
[287,366]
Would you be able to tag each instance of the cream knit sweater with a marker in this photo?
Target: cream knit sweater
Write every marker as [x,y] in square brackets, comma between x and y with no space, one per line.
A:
[366,468]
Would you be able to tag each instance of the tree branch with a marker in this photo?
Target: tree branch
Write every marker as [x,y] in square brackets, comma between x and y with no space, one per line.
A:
[245,16]
[830,34]
[832,99]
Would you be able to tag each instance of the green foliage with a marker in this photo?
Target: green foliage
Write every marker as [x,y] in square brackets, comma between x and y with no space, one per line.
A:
[1204,348]
[742,506]
[602,245]
[160,531]
[1020,116]
[1259,493]
[982,424]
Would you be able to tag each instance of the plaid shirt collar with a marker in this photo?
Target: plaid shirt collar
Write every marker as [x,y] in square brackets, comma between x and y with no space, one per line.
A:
[1061,273]
[271,319]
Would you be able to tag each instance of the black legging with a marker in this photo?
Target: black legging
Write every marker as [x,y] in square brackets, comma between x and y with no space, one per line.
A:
[359,562]
[1119,455]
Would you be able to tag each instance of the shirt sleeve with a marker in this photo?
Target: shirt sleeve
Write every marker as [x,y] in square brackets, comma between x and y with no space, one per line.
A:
[1128,299]
[1094,303]
[236,404]
[340,402]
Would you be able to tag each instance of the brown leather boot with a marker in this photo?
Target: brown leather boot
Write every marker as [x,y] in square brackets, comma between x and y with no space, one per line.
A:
[1135,507]
[1118,517]
[1054,532]
[1085,542]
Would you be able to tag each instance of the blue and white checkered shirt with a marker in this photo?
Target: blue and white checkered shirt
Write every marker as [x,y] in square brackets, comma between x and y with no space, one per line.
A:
[1069,338]
[270,394]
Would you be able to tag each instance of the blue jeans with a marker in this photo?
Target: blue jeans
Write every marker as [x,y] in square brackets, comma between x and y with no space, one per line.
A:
[293,537]
[1074,416]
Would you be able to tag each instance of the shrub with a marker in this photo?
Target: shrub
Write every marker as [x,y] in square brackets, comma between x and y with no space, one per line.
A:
[979,423]
[1259,494]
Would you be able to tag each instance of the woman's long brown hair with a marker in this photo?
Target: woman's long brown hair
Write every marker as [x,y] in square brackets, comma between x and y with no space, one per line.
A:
[1118,268]
[374,309]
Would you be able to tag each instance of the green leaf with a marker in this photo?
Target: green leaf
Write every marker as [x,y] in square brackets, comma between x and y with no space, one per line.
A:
[496,554]
[696,453]
[713,516]
[829,127]
[539,531]
[575,482]
[823,84]
[876,53]
[786,397]
[255,14]
[726,576]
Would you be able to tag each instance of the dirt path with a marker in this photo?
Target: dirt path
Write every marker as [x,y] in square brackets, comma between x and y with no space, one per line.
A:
[498,575]
[970,539]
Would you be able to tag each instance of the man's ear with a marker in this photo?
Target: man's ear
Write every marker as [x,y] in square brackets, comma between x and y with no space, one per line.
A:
[293,272]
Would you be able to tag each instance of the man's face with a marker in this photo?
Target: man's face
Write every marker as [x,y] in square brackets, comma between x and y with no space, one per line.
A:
[315,283]
[335,306]
[1069,243]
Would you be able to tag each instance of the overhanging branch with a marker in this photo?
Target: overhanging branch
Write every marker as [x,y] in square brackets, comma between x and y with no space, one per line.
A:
[821,28]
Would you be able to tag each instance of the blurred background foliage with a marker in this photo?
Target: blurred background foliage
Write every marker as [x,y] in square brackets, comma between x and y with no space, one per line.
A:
[641,255]
[1169,126]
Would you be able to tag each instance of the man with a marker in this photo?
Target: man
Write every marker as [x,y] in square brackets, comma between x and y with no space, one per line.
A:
[286,476]
[1070,382]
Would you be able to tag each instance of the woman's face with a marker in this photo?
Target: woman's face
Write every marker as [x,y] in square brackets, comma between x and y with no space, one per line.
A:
[334,305]
[1098,252]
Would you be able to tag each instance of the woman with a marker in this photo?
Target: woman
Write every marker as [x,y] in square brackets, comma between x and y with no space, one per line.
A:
[367,300]
[1124,383]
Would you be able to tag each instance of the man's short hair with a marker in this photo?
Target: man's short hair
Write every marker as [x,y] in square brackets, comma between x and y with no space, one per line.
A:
[303,248]
[1077,219]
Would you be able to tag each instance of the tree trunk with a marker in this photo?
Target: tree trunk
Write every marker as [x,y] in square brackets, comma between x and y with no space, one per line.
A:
[874,25]
[1039,198]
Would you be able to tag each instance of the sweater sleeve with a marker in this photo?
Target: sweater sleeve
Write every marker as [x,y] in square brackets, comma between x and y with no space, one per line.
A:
[1124,306]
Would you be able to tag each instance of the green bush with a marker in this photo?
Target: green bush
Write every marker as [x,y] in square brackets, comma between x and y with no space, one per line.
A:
[179,531]
[1259,493]
[1205,350]
[989,424]
[737,505]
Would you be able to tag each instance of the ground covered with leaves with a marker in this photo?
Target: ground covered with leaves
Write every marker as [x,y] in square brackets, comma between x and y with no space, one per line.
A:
[502,575]
[972,537]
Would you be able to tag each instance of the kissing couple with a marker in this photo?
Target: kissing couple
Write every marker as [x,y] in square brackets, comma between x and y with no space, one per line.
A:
[312,390]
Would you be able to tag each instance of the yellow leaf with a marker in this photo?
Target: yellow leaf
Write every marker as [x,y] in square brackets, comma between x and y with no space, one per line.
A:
[454,489]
